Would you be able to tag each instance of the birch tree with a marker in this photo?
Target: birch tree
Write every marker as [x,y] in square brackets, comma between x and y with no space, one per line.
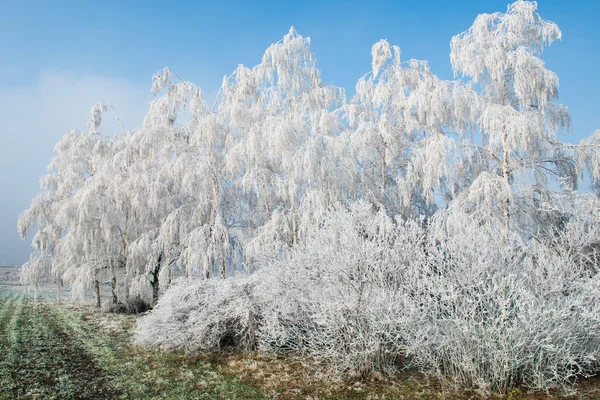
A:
[397,132]
[588,153]
[55,212]
[284,158]
[195,228]
[517,118]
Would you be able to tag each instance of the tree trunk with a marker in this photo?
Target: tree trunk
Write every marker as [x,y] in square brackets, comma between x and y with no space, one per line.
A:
[206,268]
[97,288]
[59,284]
[266,201]
[222,268]
[170,274]
[155,282]
[113,287]
[223,264]
[114,279]
[506,176]
[383,174]
[294,224]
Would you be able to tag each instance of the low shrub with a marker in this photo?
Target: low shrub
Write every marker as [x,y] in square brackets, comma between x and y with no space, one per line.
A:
[206,315]
[134,305]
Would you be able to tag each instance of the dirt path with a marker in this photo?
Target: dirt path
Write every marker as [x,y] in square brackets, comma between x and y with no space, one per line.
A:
[39,359]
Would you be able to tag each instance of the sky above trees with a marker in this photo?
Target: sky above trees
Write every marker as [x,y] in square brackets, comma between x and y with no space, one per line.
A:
[60,59]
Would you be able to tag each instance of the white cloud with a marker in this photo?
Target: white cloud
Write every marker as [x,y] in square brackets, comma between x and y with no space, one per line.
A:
[33,118]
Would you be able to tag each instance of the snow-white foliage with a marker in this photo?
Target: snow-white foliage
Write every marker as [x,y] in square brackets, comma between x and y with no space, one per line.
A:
[203,316]
[515,115]
[339,294]
[363,291]
[424,220]
[589,156]
[497,316]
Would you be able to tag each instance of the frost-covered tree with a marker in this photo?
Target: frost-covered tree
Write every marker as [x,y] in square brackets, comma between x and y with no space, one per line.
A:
[196,232]
[285,119]
[397,133]
[65,240]
[517,118]
[589,156]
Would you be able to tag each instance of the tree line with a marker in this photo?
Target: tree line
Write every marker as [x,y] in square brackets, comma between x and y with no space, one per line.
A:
[280,147]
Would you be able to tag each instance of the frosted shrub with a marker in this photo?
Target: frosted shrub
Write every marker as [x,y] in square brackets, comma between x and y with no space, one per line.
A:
[494,316]
[338,295]
[363,292]
[202,315]
[463,302]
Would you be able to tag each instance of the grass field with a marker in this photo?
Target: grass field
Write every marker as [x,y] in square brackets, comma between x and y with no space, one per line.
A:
[51,350]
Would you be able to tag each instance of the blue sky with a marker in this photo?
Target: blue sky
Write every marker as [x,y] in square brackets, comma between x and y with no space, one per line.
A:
[60,57]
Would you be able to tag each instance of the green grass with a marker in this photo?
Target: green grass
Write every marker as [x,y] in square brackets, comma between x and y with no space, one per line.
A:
[39,360]
[49,351]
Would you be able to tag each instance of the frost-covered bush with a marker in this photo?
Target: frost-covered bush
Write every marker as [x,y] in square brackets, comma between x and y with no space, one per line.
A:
[363,292]
[495,312]
[463,302]
[203,315]
[338,296]
[133,305]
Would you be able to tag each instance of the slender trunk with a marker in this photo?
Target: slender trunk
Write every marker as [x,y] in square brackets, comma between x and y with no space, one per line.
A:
[170,273]
[294,224]
[155,282]
[59,284]
[113,287]
[373,173]
[266,200]
[125,245]
[506,176]
[155,289]
[207,267]
[383,174]
[217,207]
[125,273]
[97,288]
[222,260]
[222,266]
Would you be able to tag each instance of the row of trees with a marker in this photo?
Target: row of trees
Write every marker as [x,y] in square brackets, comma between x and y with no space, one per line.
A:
[204,190]
[437,221]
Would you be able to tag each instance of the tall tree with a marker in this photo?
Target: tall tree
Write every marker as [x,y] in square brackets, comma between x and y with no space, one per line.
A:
[284,158]
[65,243]
[396,133]
[517,118]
